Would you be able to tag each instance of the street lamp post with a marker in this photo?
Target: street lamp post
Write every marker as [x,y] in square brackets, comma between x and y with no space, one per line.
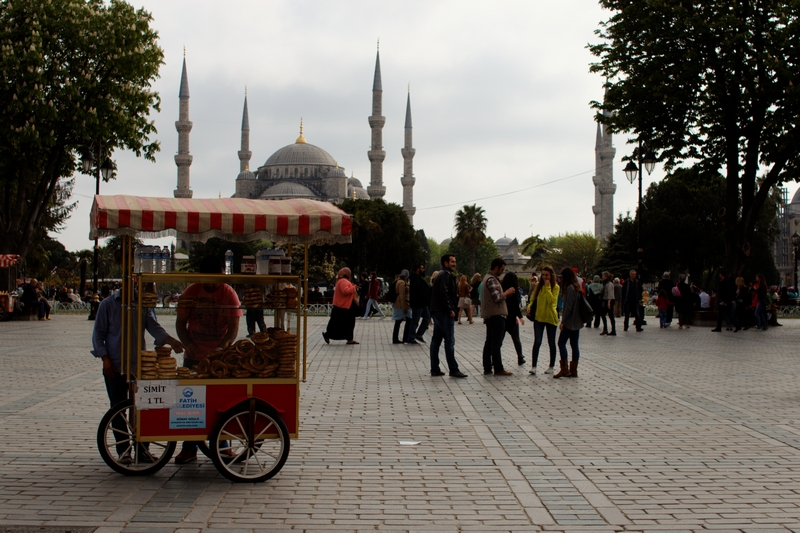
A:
[647,159]
[105,170]
[795,244]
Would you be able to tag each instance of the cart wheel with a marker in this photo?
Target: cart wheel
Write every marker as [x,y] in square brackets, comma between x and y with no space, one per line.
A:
[257,442]
[117,444]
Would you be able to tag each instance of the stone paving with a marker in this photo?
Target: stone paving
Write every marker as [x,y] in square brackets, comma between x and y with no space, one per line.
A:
[665,430]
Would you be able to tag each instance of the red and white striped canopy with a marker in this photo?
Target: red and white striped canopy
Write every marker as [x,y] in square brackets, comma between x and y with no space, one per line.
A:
[8,260]
[233,219]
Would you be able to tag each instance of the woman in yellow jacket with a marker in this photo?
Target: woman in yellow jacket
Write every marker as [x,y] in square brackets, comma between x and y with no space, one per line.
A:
[544,315]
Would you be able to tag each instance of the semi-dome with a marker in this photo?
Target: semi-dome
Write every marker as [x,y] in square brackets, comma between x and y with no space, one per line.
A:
[288,189]
[300,153]
[246,175]
[359,192]
[336,173]
[354,182]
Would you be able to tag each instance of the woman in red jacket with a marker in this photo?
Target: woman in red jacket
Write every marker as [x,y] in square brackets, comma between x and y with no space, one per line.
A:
[345,308]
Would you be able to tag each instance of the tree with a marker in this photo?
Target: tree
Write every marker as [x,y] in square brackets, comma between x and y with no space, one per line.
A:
[434,260]
[75,73]
[716,82]
[619,255]
[581,250]
[483,257]
[383,239]
[536,248]
[470,225]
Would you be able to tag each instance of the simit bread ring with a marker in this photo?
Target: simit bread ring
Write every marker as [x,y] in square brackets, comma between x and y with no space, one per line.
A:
[232,360]
[258,361]
[218,369]
[246,349]
[202,366]
[260,337]
[241,374]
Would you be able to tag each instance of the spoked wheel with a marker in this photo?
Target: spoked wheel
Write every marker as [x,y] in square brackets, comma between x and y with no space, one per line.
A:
[250,442]
[116,440]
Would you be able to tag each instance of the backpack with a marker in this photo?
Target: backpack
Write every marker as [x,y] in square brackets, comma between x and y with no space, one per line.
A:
[391,294]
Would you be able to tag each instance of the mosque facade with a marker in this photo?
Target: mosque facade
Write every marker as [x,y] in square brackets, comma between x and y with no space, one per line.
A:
[301,169]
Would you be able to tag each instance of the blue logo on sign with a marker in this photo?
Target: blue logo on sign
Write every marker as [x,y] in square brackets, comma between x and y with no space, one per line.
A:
[188,392]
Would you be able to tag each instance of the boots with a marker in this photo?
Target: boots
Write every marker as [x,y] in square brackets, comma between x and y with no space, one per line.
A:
[396,332]
[573,369]
[564,372]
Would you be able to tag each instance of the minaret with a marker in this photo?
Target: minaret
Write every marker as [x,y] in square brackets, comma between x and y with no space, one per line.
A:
[604,187]
[408,166]
[376,154]
[183,159]
[245,153]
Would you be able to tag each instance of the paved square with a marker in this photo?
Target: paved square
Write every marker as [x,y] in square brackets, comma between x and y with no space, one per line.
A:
[663,430]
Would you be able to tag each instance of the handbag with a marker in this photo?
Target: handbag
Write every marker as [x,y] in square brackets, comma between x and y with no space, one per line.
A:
[585,309]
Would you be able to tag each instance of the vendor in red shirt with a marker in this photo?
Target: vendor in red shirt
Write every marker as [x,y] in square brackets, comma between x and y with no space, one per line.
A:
[208,320]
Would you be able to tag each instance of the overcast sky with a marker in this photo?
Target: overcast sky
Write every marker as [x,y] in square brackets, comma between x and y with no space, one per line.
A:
[500,96]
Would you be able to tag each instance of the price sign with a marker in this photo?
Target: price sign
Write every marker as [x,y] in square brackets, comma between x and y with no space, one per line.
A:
[158,394]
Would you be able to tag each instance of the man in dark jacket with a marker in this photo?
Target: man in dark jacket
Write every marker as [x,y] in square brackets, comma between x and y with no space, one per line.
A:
[631,294]
[420,299]
[444,305]
[726,301]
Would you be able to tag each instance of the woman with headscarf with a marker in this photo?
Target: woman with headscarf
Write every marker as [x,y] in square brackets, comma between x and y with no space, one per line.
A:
[514,316]
[464,300]
[345,308]
[401,310]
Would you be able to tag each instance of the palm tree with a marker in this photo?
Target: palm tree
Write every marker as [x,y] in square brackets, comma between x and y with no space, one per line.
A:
[536,248]
[470,227]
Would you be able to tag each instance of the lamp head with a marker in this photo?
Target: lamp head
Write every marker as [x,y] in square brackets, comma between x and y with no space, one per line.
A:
[631,171]
[107,168]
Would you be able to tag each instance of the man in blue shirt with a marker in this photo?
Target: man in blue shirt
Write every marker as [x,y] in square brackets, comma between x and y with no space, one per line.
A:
[107,344]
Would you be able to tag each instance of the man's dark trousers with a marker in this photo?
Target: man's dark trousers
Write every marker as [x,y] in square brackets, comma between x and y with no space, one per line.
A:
[443,330]
[495,333]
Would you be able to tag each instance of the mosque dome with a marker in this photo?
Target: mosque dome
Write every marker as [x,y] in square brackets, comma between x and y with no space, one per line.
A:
[287,189]
[354,182]
[246,175]
[300,154]
[796,197]
[336,173]
[503,241]
[360,193]
[446,242]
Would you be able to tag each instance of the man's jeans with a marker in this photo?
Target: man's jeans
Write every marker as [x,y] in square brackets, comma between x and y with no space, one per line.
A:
[495,332]
[418,329]
[443,330]
[370,304]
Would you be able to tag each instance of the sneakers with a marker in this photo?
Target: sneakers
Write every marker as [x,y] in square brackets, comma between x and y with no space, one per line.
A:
[503,373]
[549,370]
[186,456]
[457,374]
[532,371]
[436,373]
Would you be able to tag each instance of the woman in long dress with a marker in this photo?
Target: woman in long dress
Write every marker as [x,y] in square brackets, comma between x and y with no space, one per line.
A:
[345,307]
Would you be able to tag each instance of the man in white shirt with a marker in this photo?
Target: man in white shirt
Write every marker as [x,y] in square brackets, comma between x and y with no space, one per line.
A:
[705,299]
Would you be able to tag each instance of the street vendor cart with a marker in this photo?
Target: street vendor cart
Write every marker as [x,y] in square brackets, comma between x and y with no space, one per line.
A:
[243,399]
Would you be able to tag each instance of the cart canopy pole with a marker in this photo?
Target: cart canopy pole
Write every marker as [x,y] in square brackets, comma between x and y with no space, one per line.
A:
[305,310]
